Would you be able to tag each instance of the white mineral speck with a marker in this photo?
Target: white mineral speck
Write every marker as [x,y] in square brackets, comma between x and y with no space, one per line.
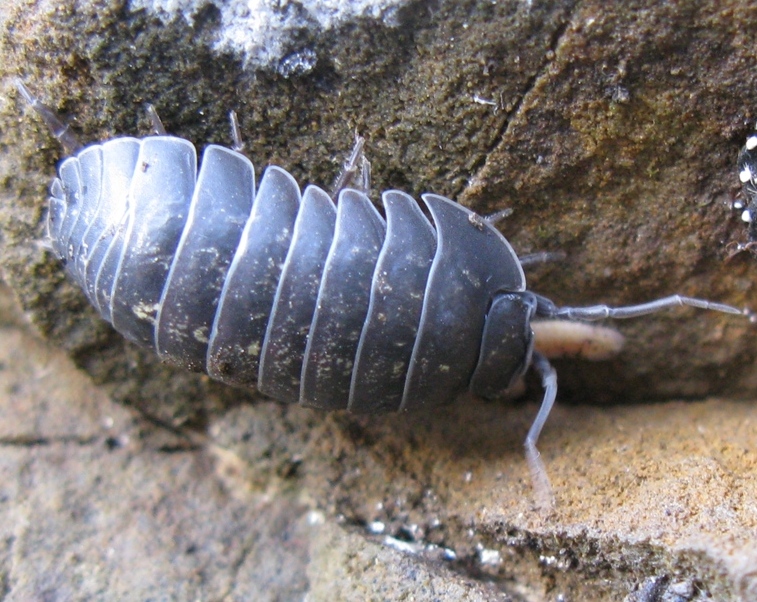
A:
[490,557]
[376,527]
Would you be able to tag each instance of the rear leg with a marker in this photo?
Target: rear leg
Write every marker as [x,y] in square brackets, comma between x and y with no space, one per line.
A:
[356,173]
[53,122]
[540,257]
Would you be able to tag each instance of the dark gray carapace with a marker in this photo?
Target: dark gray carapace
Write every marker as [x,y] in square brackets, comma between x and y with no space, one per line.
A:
[331,306]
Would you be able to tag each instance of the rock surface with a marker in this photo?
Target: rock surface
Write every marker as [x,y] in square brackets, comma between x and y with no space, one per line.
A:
[613,133]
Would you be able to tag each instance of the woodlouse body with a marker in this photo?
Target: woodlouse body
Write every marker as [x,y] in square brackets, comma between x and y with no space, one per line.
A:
[333,307]
[330,306]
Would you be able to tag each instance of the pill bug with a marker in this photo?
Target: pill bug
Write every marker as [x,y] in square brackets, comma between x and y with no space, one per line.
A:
[330,306]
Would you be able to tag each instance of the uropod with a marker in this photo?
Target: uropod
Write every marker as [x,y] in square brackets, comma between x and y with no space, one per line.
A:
[333,306]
